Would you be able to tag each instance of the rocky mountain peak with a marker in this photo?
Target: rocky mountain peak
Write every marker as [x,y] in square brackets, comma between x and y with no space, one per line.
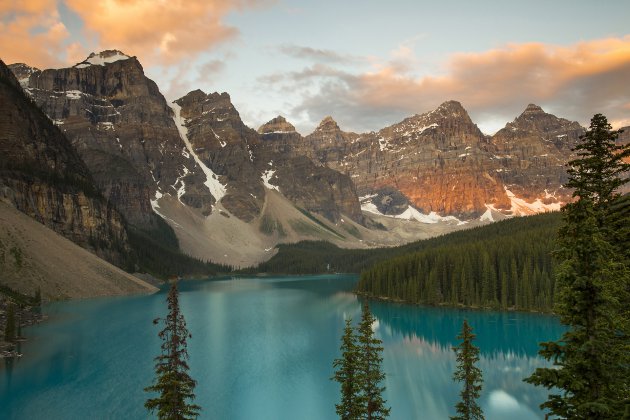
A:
[533,109]
[277,125]
[102,58]
[328,124]
[23,72]
[450,110]
[215,106]
[535,119]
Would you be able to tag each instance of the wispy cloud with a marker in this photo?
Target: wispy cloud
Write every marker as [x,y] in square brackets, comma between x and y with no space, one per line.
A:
[319,55]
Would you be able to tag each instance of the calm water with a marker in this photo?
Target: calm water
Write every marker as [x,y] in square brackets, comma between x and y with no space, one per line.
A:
[263,349]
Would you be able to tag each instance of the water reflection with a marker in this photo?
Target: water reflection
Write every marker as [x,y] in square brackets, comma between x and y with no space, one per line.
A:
[263,349]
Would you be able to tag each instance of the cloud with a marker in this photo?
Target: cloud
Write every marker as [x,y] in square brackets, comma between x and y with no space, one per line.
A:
[32,31]
[574,82]
[161,30]
[157,31]
[318,55]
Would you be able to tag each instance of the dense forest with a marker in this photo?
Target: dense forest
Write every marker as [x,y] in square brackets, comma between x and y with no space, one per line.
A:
[505,265]
[157,252]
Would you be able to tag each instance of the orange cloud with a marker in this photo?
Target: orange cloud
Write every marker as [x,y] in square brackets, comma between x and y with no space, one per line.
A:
[32,31]
[158,30]
[574,82]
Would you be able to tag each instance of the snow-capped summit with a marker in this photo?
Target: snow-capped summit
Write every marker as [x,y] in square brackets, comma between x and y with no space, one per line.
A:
[102,58]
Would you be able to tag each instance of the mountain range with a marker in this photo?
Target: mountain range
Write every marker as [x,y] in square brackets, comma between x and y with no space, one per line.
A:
[231,193]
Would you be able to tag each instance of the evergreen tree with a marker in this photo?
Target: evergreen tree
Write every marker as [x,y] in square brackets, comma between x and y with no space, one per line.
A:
[347,374]
[172,383]
[592,359]
[370,373]
[9,328]
[468,373]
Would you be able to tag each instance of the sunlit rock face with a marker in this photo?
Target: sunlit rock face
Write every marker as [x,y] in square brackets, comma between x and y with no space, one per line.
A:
[441,163]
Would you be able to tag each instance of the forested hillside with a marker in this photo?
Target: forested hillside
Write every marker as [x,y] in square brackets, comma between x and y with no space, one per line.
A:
[504,265]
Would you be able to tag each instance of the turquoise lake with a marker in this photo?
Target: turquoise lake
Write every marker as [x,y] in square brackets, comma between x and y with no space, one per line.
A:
[262,348]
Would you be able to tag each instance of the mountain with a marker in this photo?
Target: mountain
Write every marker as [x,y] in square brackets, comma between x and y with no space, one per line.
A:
[231,194]
[533,151]
[43,176]
[122,127]
[192,162]
[440,164]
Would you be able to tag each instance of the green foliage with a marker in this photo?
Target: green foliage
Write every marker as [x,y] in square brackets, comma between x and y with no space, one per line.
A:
[359,373]
[10,327]
[370,372]
[591,362]
[173,383]
[347,374]
[506,265]
[467,355]
[158,254]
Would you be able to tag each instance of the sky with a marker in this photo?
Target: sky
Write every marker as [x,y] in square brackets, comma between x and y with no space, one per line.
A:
[366,63]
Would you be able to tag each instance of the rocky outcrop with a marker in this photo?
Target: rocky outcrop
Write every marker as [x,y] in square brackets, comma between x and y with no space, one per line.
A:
[43,176]
[246,162]
[123,129]
[441,162]
[532,152]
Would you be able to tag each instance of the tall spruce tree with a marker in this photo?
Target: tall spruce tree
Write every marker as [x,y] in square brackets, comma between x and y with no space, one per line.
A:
[370,373]
[347,374]
[591,362]
[173,383]
[467,355]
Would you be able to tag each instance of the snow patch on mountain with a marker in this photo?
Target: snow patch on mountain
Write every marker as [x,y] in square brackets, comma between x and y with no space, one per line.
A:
[212,180]
[266,176]
[412,214]
[487,216]
[521,207]
[102,58]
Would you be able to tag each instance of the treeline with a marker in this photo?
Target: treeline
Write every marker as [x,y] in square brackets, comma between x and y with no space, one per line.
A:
[157,252]
[506,265]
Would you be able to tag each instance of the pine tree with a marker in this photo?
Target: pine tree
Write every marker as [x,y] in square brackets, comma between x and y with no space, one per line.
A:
[347,374]
[172,383]
[370,373]
[9,328]
[592,359]
[467,372]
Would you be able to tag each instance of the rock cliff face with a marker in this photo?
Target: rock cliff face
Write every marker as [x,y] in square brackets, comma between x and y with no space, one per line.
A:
[244,162]
[43,176]
[139,148]
[441,162]
[533,151]
[123,129]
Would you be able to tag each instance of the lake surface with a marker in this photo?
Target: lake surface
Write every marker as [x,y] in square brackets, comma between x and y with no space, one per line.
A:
[262,348]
